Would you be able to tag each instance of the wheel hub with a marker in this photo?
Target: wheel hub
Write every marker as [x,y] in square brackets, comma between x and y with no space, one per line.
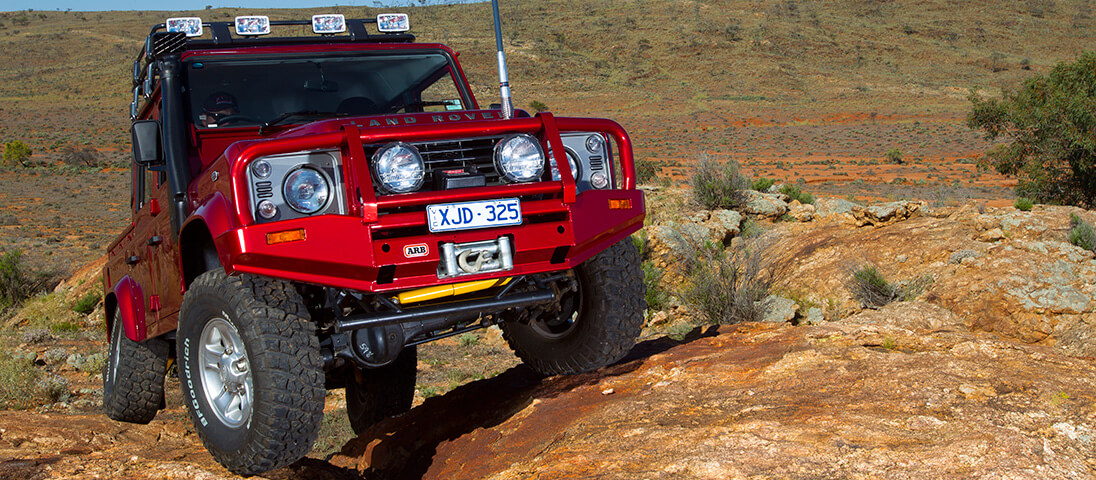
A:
[226,373]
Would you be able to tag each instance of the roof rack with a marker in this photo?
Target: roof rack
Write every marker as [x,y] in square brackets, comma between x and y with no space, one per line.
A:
[161,42]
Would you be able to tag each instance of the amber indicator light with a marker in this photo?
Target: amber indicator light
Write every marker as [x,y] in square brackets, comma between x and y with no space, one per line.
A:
[620,204]
[286,236]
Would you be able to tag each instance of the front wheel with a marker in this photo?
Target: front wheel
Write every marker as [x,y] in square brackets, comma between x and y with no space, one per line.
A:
[250,370]
[595,325]
[374,394]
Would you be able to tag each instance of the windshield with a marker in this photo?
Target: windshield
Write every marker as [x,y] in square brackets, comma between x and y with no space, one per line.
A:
[252,90]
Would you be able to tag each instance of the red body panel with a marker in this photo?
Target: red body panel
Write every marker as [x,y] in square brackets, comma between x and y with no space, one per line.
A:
[131,308]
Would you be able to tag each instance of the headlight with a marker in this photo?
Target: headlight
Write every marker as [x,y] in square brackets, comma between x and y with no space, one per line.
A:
[519,158]
[306,190]
[398,168]
[571,160]
[594,143]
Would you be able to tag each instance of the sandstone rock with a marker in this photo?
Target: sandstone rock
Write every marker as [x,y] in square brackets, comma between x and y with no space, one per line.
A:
[760,401]
[801,212]
[827,206]
[991,235]
[814,316]
[729,221]
[764,204]
[887,213]
[778,309]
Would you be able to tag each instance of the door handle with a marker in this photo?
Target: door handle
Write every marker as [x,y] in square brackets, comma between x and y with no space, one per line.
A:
[132,260]
[155,240]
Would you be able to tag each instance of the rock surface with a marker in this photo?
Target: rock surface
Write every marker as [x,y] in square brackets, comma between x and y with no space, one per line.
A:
[874,396]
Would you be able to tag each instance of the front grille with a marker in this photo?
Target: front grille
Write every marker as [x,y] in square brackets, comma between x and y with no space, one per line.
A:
[473,155]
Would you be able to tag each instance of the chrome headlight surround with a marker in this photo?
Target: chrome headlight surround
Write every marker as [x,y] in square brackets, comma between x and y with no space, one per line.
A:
[572,160]
[519,158]
[267,178]
[398,168]
[306,190]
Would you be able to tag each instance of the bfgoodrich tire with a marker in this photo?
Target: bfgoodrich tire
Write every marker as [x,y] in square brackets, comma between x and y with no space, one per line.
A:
[133,378]
[250,370]
[596,326]
[374,394]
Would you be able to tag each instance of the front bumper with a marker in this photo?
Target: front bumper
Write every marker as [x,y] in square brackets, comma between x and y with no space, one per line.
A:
[346,252]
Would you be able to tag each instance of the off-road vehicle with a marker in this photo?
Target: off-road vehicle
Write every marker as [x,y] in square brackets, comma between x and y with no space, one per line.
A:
[311,203]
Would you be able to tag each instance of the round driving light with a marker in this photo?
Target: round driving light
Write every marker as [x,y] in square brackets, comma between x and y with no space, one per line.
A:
[519,158]
[599,180]
[571,160]
[267,209]
[306,190]
[398,168]
[594,143]
[261,169]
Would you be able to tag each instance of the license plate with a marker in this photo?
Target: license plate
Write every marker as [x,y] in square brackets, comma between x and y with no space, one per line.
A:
[469,215]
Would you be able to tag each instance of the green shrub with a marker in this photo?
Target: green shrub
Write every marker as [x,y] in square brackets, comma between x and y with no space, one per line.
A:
[16,153]
[1083,235]
[468,339]
[17,283]
[1024,204]
[64,327]
[657,298]
[868,286]
[1074,220]
[18,377]
[894,155]
[53,388]
[538,106]
[647,170]
[796,193]
[727,286]
[718,185]
[1049,121]
[87,303]
[763,184]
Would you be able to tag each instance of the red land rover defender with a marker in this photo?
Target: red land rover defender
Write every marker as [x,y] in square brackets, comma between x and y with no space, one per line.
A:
[308,209]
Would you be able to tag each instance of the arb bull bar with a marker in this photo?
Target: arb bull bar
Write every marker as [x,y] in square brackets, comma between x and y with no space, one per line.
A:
[561,229]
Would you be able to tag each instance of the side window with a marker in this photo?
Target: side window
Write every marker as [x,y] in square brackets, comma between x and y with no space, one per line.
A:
[144,182]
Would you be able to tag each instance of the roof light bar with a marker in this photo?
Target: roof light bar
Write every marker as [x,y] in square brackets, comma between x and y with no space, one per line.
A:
[191,26]
[253,25]
[393,22]
[329,23]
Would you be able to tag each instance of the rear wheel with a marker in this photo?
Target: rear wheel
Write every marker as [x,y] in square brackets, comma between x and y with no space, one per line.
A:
[595,325]
[374,394]
[133,377]
[250,370]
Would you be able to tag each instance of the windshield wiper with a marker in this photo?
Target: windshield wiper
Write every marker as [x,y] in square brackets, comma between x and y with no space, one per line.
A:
[302,113]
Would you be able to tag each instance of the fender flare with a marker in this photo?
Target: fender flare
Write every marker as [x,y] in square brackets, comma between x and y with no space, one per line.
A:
[218,218]
[131,308]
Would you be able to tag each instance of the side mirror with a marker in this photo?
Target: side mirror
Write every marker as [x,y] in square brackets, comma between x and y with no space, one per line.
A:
[147,146]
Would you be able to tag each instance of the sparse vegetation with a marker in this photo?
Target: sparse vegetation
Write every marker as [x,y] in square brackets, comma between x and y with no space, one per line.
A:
[1049,121]
[1082,234]
[16,153]
[795,193]
[867,285]
[18,377]
[538,106]
[718,185]
[762,184]
[647,170]
[87,303]
[726,286]
[1024,204]
[894,155]
[17,282]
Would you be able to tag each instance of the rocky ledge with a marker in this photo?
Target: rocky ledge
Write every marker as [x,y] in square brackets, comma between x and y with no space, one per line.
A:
[902,392]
